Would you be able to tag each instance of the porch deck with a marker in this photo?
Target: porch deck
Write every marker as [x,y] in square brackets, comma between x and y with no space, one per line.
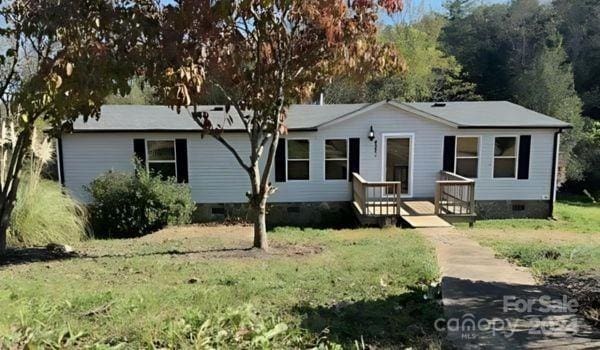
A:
[379,203]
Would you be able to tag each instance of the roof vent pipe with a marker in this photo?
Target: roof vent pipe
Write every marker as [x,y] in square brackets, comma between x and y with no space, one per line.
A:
[322,99]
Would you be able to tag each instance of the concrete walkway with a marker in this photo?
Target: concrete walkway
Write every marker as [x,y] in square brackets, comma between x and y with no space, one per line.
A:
[492,304]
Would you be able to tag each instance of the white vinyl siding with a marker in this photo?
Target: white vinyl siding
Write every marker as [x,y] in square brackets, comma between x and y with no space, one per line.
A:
[216,177]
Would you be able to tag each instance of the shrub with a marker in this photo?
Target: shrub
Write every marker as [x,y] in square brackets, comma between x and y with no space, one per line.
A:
[130,205]
[44,214]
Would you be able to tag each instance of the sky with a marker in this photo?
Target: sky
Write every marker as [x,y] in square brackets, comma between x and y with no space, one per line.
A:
[413,9]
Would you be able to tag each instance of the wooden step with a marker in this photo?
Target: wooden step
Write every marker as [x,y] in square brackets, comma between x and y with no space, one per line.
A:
[422,221]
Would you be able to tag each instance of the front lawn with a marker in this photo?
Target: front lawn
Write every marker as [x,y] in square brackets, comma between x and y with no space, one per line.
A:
[569,244]
[198,287]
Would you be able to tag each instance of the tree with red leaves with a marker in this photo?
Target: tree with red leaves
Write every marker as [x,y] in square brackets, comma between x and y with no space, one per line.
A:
[263,55]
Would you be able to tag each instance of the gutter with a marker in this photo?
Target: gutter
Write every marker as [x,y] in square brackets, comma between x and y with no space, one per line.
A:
[555,153]
[116,131]
[514,127]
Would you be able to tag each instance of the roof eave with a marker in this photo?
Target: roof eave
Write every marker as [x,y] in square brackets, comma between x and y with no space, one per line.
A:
[515,127]
[89,131]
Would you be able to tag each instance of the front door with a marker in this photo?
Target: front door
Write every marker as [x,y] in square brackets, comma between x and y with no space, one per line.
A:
[397,158]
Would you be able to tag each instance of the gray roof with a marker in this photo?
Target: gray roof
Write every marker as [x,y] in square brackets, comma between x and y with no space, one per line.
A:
[144,117]
[489,114]
[492,114]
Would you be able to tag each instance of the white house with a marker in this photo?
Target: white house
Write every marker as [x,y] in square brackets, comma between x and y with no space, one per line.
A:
[506,152]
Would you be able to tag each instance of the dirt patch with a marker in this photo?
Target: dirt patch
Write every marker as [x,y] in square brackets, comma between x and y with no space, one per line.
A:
[585,288]
[241,233]
[230,241]
[275,250]
[194,242]
[545,236]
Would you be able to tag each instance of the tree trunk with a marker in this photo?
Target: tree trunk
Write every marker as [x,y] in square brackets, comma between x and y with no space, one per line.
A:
[260,227]
[258,207]
[4,220]
[8,196]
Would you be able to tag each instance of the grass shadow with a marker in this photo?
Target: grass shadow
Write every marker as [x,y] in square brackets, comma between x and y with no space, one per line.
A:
[397,321]
[19,256]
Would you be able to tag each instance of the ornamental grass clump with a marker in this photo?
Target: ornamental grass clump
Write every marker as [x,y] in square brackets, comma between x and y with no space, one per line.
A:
[44,213]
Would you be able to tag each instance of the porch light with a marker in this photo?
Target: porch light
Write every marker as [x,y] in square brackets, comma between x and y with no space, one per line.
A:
[371,134]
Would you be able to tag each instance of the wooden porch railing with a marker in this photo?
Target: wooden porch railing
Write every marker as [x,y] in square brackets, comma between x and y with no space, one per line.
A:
[376,198]
[454,195]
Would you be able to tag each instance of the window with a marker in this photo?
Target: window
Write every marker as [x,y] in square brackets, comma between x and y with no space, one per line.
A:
[336,159]
[161,158]
[505,157]
[467,153]
[297,159]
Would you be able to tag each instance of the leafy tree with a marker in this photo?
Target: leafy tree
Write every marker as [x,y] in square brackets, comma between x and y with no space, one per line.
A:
[138,95]
[263,55]
[549,89]
[580,26]
[60,60]
[458,9]
[431,74]
[497,42]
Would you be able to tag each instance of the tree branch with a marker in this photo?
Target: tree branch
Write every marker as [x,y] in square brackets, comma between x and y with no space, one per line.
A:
[233,151]
[233,103]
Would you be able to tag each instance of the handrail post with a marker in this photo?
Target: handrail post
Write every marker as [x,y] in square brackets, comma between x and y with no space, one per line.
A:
[472,198]
[399,199]
[438,194]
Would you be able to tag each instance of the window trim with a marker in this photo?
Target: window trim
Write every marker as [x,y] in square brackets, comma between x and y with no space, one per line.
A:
[287,160]
[174,161]
[456,157]
[516,157]
[347,159]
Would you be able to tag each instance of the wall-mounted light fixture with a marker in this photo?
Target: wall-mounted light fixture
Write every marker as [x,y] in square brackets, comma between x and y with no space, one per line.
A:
[371,137]
[371,134]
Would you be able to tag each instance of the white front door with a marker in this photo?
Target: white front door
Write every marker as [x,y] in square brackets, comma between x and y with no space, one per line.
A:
[397,160]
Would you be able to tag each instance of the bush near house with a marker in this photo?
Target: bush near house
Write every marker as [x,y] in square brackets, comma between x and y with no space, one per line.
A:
[129,205]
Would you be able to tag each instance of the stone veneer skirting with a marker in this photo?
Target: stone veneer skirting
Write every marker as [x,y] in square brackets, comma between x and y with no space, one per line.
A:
[339,214]
[309,214]
[513,209]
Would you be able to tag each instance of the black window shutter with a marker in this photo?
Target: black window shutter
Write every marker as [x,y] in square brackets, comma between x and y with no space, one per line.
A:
[280,175]
[449,149]
[354,157]
[182,160]
[139,149]
[524,157]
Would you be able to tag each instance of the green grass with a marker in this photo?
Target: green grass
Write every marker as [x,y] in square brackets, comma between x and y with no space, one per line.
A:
[318,288]
[546,260]
[571,243]
[574,214]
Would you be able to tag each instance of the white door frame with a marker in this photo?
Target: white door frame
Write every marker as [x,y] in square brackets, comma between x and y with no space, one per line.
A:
[411,151]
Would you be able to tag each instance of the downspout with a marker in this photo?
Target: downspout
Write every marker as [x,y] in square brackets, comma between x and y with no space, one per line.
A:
[554,171]
[59,156]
